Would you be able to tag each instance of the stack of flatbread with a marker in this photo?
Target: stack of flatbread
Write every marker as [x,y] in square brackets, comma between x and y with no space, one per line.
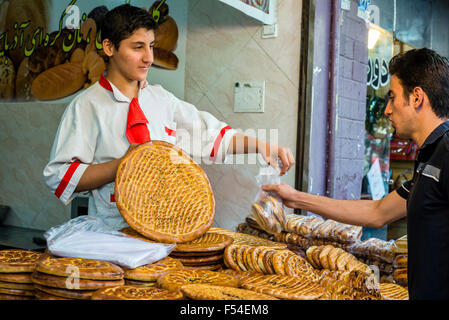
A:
[203,253]
[16,267]
[73,278]
[147,275]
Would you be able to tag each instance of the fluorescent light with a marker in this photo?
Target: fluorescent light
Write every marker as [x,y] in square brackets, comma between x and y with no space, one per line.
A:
[373,36]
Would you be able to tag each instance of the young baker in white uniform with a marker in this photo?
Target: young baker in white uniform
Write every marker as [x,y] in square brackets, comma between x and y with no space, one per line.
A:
[121,111]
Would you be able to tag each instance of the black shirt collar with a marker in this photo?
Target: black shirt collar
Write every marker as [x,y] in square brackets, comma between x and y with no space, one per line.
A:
[436,134]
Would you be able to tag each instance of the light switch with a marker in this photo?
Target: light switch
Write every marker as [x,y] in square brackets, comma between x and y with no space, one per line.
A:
[270,31]
[249,96]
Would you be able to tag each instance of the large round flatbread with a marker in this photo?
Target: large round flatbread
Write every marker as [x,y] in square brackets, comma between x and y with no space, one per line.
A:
[163,194]
[16,277]
[174,280]
[206,243]
[17,292]
[151,272]
[13,285]
[140,283]
[211,292]
[210,267]
[4,296]
[79,267]
[41,295]
[284,287]
[135,293]
[247,239]
[65,293]
[133,233]
[18,261]
[201,261]
[72,283]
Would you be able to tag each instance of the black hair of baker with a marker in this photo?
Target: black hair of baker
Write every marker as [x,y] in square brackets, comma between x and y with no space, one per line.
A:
[122,21]
[428,70]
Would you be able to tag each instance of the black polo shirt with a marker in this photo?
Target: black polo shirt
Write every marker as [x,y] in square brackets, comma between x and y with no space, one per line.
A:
[427,197]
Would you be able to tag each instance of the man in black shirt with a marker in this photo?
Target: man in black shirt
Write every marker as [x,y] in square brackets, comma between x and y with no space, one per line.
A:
[418,108]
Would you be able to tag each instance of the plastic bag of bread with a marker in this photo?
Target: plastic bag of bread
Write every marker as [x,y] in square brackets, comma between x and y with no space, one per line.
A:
[401,245]
[375,248]
[267,208]
[346,233]
[324,230]
[400,261]
[303,225]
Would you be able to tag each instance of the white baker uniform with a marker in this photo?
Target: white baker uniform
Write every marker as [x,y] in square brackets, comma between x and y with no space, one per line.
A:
[93,130]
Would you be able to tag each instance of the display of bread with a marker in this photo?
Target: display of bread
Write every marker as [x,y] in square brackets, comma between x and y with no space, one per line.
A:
[245,271]
[163,194]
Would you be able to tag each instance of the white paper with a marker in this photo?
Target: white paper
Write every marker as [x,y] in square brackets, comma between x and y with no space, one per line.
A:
[124,251]
[375,181]
[89,238]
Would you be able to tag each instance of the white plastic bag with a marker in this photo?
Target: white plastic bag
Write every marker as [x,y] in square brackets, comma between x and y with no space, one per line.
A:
[89,238]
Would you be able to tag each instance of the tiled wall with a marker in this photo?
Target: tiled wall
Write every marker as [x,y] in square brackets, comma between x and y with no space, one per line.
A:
[26,136]
[225,46]
[350,107]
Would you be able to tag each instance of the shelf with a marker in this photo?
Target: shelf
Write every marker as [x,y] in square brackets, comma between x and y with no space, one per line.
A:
[21,238]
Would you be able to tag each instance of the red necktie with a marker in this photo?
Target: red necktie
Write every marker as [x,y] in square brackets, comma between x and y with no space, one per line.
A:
[136,125]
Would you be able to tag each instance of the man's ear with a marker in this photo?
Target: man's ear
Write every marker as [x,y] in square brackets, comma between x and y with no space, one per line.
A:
[417,97]
[108,47]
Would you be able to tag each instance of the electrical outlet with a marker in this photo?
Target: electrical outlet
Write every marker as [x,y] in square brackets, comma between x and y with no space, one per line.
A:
[249,96]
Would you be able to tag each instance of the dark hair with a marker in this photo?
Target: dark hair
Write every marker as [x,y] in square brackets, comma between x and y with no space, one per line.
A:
[122,21]
[426,69]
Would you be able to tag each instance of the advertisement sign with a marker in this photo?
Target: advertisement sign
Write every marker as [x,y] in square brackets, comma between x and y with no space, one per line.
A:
[52,49]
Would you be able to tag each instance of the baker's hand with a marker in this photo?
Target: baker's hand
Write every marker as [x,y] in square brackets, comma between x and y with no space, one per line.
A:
[288,195]
[272,152]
